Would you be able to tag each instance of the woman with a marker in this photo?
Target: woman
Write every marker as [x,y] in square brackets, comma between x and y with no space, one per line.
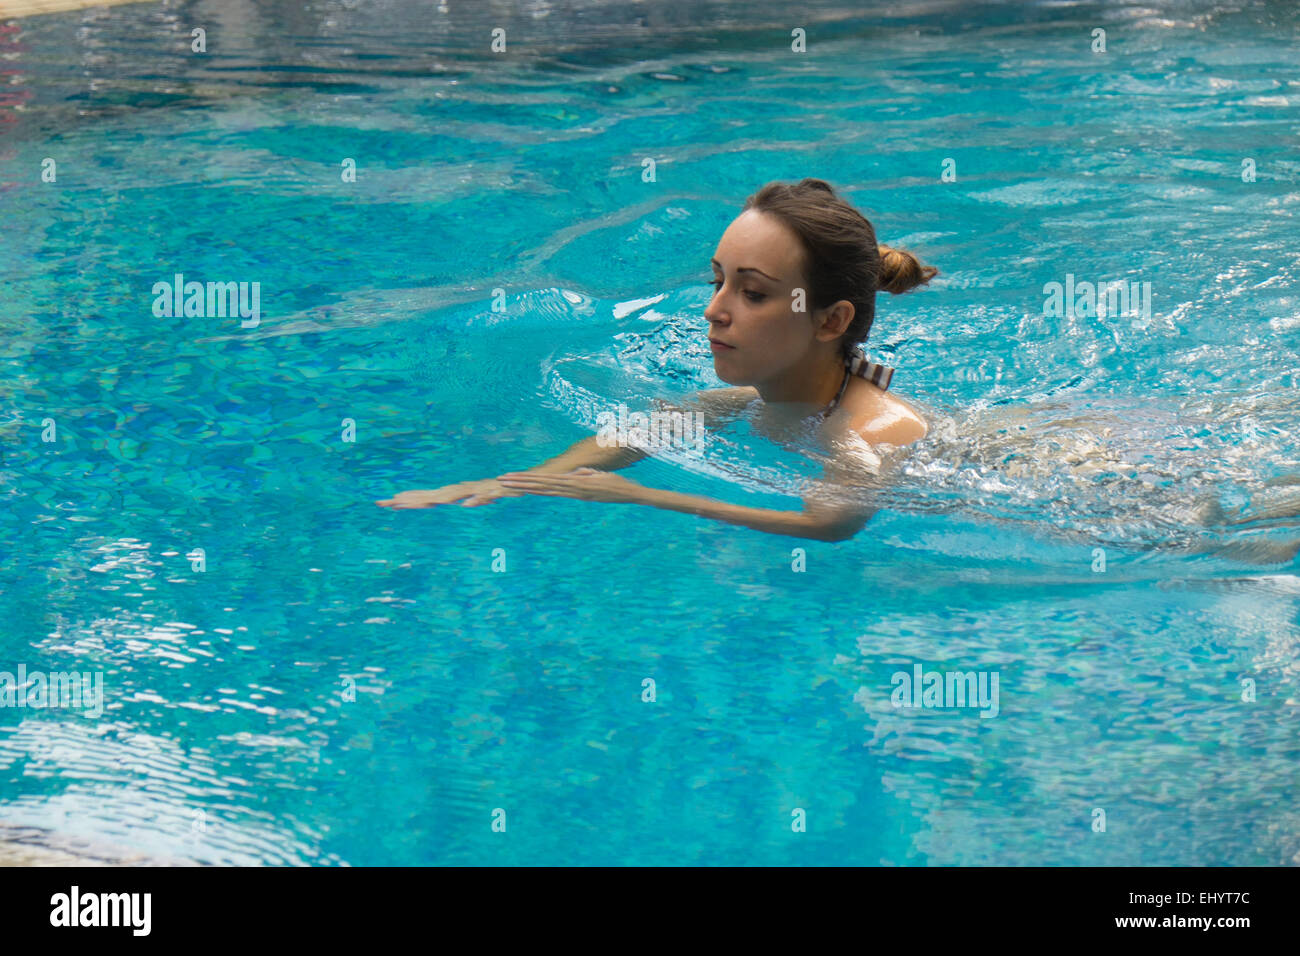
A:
[795,279]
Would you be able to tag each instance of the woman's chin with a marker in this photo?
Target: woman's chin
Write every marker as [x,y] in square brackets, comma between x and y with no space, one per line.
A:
[726,372]
[728,377]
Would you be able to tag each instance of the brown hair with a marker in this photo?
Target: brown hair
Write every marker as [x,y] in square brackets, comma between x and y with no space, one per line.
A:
[842,259]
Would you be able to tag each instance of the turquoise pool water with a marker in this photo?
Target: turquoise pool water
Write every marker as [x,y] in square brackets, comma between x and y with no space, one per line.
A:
[346,684]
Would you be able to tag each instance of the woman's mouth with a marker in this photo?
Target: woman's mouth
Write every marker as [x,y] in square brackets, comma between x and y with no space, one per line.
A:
[720,346]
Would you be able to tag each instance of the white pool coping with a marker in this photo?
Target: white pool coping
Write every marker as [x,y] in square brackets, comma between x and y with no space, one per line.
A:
[31,8]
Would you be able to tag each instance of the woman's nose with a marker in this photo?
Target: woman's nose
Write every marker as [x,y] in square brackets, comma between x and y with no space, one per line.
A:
[712,311]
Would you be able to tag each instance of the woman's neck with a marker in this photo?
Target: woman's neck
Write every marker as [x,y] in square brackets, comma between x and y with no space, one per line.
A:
[814,384]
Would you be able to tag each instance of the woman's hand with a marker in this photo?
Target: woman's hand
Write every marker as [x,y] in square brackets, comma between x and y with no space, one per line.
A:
[586,484]
[470,494]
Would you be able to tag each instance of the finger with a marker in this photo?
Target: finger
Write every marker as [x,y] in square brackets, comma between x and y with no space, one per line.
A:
[399,500]
[541,489]
[530,482]
[437,496]
[417,501]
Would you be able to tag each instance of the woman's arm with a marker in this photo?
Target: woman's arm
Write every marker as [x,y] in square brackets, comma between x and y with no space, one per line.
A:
[472,494]
[817,520]
[828,515]
[588,453]
[715,404]
[820,519]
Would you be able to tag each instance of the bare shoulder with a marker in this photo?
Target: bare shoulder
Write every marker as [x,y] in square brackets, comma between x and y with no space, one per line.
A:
[727,397]
[717,404]
[881,417]
[721,403]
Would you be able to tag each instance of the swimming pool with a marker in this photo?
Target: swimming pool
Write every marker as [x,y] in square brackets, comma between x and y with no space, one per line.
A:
[345,684]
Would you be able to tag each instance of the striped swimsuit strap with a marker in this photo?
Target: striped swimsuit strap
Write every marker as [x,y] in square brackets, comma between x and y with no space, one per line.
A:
[873,372]
[858,364]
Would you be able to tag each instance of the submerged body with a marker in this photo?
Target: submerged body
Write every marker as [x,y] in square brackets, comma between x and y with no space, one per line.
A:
[828,514]
[795,279]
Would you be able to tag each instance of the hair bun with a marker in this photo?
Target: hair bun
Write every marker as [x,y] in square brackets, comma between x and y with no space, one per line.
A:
[823,185]
[900,271]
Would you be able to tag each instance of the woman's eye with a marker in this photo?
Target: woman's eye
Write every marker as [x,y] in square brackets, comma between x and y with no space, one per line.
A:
[749,293]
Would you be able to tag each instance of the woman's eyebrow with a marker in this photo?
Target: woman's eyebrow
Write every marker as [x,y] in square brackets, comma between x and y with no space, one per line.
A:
[747,269]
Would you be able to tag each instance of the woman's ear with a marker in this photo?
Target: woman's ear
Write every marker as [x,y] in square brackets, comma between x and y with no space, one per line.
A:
[836,320]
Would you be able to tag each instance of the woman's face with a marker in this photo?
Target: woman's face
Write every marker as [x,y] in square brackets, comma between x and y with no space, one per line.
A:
[753,330]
